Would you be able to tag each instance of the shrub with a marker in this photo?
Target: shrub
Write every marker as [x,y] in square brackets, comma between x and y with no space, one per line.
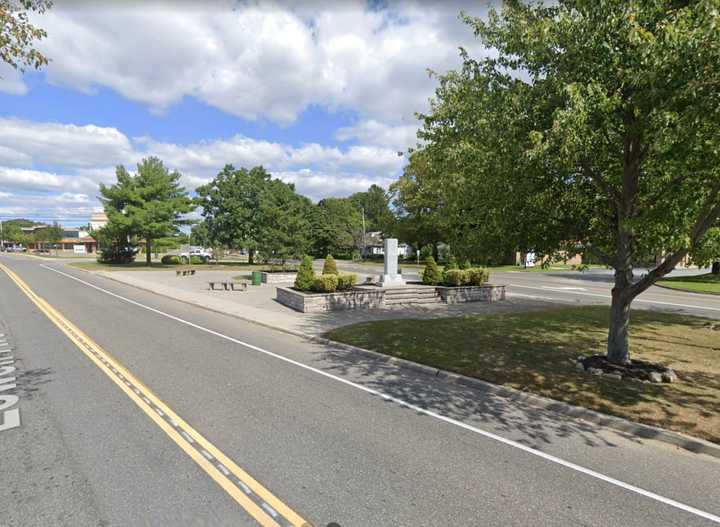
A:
[477,276]
[197,260]
[466,264]
[431,274]
[326,283]
[451,263]
[346,281]
[330,267]
[306,275]
[456,277]
[170,259]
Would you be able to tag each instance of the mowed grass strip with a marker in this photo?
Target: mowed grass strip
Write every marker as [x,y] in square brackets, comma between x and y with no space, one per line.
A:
[704,283]
[533,351]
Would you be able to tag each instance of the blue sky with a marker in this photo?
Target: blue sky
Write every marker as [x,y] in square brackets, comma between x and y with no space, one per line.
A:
[324,98]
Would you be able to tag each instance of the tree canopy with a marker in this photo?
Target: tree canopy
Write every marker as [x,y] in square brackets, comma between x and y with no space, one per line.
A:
[592,126]
[150,204]
[18,35]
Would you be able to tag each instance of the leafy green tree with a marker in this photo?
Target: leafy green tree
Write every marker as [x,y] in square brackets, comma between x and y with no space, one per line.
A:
[608,142]
[375,202]
[707,251]
[305,276]
[418,205]
[18,35]
[200,235]
[330,267]
[249,209]
[49,235]
[115,243]
[150,204]
[231,207]
[337,227]
[284,230]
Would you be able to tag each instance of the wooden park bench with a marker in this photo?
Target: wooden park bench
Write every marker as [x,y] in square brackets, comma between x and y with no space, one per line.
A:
[185,272]
[228,286]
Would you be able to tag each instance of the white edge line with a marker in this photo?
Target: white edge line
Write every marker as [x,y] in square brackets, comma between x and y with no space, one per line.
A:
[509,442]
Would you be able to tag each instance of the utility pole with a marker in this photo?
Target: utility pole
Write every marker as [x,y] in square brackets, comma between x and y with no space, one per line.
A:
[2,237]
[362,256]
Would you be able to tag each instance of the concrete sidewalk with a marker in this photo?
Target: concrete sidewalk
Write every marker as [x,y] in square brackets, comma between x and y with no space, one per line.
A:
[258,303]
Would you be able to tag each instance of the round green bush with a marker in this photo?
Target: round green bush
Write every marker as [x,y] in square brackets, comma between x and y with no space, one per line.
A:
[326,283]
[432,274]
[170,259]
[198,260]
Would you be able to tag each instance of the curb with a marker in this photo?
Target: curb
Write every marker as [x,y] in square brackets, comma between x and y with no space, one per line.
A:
[643,431]
[684,290]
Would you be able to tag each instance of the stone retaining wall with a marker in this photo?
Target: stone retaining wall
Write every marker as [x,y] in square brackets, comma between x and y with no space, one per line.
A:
[320,302]
[277,278]
[473,293]
[361,298]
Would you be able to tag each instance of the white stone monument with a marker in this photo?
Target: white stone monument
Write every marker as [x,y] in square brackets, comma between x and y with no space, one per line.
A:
[390,276]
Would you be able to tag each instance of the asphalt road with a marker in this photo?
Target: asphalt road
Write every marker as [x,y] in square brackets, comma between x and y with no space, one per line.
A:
[333,437]
[588,287]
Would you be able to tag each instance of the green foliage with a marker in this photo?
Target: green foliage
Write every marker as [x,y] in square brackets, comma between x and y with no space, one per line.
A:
[451,263]
[115,245]
[376,204]
[337,227]
[148,205]
[170,259]
[18,34]
[346,281]
[197,260]
[431,274]
[249,209]
[456,277]
[326,283]
[306,275]
[477,276]
[465,264]
[608,142]
[707,250]
[329,267]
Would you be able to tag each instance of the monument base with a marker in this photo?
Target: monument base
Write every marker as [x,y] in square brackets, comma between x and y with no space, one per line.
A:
[388,280]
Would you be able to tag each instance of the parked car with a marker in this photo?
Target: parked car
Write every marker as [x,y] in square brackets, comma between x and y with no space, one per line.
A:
[205,254]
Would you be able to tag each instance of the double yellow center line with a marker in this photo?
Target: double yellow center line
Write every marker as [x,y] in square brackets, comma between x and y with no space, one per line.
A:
[259,502]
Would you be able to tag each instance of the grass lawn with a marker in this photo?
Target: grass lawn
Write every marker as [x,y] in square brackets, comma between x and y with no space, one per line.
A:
[157,266]
[704,283]
[533,351]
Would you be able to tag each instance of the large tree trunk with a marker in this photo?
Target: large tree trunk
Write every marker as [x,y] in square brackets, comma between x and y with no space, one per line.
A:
[715,268]
[148,253]
[618,346]
[251,256]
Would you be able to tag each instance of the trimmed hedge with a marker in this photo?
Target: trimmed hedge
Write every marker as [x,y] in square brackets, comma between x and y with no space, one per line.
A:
[326,283]
[477,275]
[170,259]
[346,281]
[197,260]
[451,263]
[463,277]
[455,277]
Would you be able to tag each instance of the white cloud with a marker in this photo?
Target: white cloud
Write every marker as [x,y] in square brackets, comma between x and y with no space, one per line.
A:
[28,143]
[260,60]
[375,133]
[11,81]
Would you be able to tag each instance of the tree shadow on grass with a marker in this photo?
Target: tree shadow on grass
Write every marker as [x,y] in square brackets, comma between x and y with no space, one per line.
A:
[534,354]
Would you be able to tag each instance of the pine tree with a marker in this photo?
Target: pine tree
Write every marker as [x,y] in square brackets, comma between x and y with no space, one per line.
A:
[431,274]
[305,275]
[329,267]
